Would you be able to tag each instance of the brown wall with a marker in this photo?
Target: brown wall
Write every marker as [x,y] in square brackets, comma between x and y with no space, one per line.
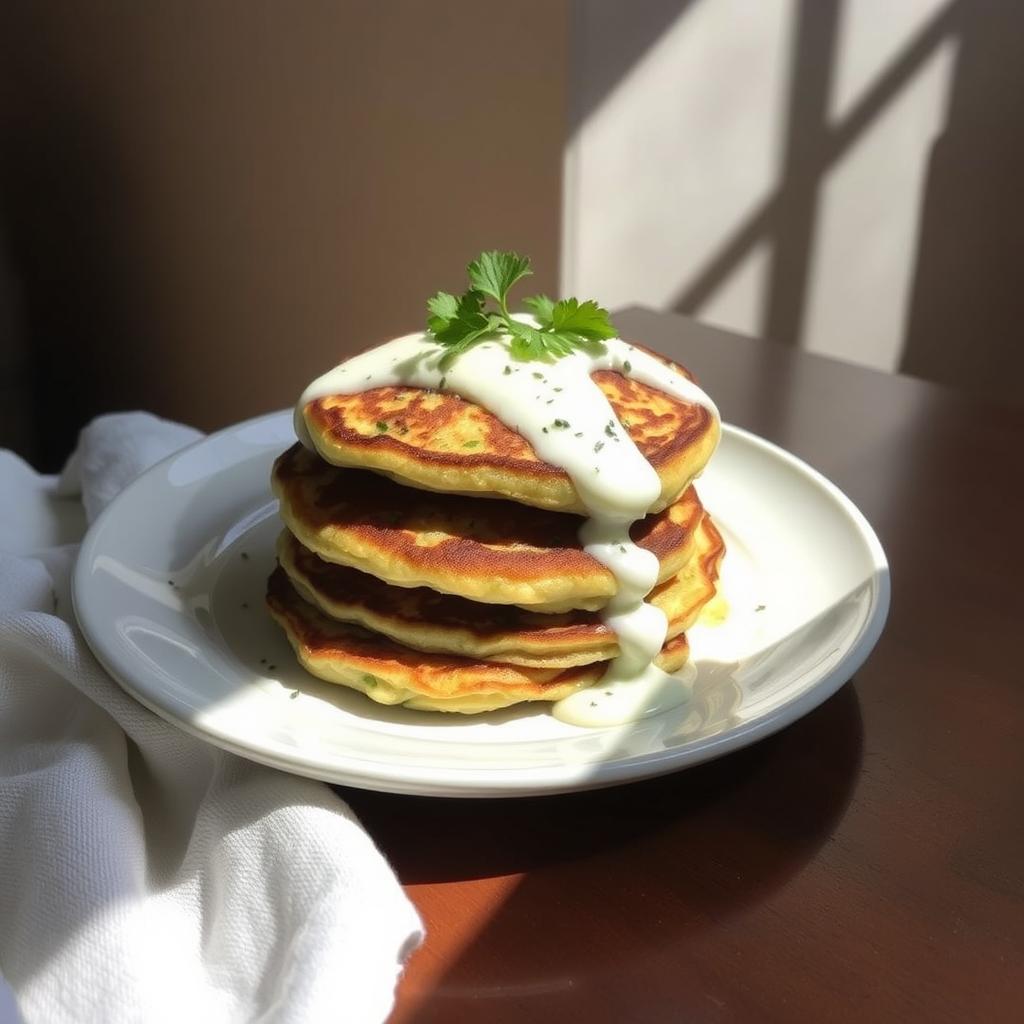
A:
[204,204]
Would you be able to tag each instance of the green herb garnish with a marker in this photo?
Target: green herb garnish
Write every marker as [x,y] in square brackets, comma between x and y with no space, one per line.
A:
[460,322]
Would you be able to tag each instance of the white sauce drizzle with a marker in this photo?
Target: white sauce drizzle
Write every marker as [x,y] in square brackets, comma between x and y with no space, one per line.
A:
[569,423]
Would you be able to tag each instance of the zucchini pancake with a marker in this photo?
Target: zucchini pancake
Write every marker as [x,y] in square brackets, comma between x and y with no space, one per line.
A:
[439,442]
[499,510]
[490,551]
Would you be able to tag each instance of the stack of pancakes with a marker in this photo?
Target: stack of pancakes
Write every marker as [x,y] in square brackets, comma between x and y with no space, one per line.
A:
[431,559]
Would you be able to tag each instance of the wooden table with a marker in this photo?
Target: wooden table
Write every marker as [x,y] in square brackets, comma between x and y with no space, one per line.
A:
[866,864]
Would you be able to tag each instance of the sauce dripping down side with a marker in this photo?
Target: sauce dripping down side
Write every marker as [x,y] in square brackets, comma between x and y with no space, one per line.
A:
[580,433]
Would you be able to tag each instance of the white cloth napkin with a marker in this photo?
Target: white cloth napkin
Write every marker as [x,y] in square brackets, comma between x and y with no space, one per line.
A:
[144,875]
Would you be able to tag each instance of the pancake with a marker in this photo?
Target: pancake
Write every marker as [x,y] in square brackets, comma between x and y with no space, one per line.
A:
[441,442]
[484,550]
[391,673]
[428,621]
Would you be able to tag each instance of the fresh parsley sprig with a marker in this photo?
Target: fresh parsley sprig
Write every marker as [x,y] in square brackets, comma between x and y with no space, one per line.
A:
[460,322]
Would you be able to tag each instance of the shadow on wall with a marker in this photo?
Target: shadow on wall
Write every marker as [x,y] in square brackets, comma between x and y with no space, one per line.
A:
[812,146]
[617,37]
[963,292]
[967,303]
[787,219]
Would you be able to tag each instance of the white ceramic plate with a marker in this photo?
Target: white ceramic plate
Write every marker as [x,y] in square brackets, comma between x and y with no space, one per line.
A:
[169,593]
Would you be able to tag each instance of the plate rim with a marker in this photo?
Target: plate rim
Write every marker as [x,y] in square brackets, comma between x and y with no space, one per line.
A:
[483,781]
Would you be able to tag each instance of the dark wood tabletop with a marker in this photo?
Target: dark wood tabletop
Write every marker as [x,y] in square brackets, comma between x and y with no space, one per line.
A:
[865,864]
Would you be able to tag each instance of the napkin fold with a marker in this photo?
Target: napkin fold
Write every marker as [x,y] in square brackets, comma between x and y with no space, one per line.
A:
[145,875]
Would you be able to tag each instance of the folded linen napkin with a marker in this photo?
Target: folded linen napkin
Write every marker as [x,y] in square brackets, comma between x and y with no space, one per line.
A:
[145,875]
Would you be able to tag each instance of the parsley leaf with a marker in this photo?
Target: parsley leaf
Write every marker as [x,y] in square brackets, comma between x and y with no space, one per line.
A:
[561,328]
[586,319]
[493,273]
[443,306]
[527,342]
[459,323]
[453,319]
[541,307]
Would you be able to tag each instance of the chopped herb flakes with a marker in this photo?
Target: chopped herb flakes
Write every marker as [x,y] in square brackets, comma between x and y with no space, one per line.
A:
[598,446]
[627,366]
[471,444]
[382,426]
[561,424]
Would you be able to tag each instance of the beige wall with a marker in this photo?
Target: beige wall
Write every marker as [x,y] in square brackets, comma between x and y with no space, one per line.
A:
[841,175]
[206,203]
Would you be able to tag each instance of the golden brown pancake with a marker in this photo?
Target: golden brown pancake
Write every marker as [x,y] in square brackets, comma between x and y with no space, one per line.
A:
[391,673]
[428,621]
[441,442]
[491,551]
